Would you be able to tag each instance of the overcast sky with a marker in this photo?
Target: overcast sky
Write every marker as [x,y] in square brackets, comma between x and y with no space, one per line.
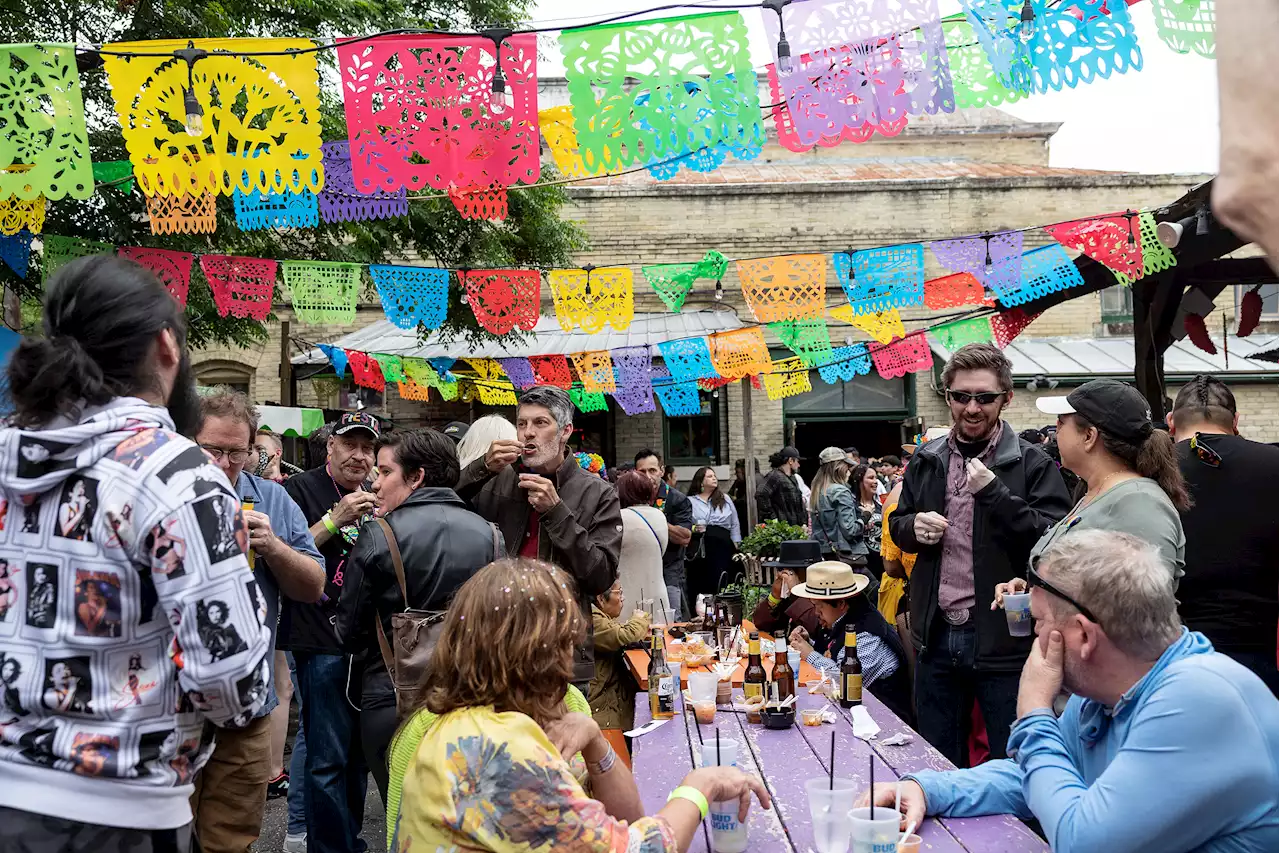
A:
[1163,118]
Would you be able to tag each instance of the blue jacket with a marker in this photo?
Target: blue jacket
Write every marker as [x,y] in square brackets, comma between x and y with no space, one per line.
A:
[1186,760]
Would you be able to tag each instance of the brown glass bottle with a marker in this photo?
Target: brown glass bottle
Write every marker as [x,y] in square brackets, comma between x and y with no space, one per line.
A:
[753,678]
[850,671]
[783,675]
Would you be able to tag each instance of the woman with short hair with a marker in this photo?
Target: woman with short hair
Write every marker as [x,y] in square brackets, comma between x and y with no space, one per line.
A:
[495,758]
[644,540]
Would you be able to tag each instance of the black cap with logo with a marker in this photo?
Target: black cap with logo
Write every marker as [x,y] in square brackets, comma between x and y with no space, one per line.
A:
[1109,404]
[457,430]
[790,453]
[352,421]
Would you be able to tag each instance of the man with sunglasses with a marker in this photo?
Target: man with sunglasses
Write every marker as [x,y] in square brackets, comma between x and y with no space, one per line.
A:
[1164,744]
[972,506]
[1229,592]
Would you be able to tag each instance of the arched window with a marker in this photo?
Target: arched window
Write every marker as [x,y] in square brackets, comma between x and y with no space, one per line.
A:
[235,376]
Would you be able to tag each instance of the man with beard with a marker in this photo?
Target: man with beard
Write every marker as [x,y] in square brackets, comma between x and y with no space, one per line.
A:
[547,507]
[972,506]
[335,499]
[111,368]
[1164,744]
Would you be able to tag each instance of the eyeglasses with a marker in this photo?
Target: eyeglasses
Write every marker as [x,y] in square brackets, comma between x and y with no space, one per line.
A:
[1205,453]
[986,398]
[1034,578]
[236,457]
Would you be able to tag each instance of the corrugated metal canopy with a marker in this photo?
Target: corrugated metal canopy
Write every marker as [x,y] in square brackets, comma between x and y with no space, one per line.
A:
[1113,356]
[547,338]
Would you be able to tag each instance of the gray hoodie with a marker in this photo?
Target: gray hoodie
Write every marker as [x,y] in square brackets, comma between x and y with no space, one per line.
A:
[128,617]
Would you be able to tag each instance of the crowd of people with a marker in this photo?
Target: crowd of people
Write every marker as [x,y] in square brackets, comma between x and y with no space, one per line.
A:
[449,609]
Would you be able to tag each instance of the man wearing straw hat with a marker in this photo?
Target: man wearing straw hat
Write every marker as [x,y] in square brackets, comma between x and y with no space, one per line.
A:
[836,592]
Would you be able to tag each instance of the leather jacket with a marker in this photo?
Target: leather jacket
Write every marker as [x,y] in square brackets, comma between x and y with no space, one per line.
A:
[582,534]
[442,544]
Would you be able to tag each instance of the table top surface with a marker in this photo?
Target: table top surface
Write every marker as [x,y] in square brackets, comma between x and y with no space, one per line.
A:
[638,663]
[786,759]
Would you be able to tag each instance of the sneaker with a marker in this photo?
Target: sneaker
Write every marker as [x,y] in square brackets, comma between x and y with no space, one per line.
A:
[278,787]
[295,843]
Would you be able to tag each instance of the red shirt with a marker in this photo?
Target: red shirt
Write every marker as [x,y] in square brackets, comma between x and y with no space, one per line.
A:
[529,547]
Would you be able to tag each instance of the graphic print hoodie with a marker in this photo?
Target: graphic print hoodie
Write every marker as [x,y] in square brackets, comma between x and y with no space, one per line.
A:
[130,623]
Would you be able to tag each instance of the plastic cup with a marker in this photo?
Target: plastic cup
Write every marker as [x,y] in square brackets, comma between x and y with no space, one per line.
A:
[793,658]
[728,752]
[811,716]
[702,686]
[875,834]
[910,844]
[704,711]
[1017,609]
[827,801]
[728,834]
[675,670]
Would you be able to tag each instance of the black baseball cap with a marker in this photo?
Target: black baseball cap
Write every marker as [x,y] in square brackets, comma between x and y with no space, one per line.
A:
[1109,404]
[791,453]
[457,430]
[351,421]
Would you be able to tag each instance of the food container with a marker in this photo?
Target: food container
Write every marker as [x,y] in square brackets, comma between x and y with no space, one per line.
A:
[675,651]
[811,716]
[778,718]
[724,692]
[704,710]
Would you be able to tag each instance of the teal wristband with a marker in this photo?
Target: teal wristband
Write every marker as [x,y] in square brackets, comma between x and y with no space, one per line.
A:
[693,795]
[327,521]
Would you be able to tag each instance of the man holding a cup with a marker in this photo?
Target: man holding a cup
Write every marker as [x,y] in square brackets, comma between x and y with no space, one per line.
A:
[1164,745]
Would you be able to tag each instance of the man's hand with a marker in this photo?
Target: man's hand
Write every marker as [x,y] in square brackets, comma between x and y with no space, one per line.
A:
[1041,675]
[541,491]
[803,646]
[574,733]
[979,475]
[261,537]
[929,527]
[501,453]
[913,805]
[1017,586]
[782,583]
[353,507]
[799,634]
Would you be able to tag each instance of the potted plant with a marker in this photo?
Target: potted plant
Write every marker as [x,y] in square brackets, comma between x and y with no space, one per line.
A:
[759,550]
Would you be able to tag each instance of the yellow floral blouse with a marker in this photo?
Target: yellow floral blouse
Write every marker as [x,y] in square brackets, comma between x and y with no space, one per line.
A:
[483,780]
[891,589]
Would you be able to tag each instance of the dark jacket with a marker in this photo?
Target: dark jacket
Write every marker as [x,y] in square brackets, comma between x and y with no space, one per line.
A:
[893,690]
[1009,516]
[442,544]
[678,509]
[778,496]
[582,534]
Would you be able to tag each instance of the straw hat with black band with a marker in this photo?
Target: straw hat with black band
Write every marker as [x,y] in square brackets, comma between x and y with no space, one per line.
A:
[831,580]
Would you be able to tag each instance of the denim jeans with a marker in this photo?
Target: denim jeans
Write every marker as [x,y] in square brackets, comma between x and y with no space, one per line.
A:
[336,778]
[675,597]
[947,684]
[297,763]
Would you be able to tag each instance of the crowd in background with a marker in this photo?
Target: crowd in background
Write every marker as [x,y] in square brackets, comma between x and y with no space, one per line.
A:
[448,608]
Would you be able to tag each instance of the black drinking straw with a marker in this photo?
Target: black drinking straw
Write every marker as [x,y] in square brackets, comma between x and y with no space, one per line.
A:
[871,811]
[831,777]
[697,728]
[717,746]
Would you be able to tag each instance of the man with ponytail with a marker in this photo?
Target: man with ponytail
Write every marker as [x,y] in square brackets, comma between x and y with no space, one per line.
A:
[1229,592]
[155,628]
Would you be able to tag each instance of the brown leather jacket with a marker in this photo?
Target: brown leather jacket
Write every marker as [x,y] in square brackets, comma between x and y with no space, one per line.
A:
[582,534]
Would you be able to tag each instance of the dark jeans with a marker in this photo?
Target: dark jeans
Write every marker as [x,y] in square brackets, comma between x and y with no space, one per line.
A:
[947,684]
[377,727]
[26,832]
[297,763]
[336,778]
[1262,664]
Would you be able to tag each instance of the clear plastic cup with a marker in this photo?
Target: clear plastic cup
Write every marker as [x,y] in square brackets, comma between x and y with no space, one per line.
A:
[728,753]
[910,844]
[704,711]
[675,670]
[728,834]
[876,833]
[702,686]
[793,658]
[1017,609]
[828,799]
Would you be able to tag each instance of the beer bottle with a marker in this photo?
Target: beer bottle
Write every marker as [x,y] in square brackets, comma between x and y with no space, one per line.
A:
[850,670]
[753,678]
[662,689]
[782,674]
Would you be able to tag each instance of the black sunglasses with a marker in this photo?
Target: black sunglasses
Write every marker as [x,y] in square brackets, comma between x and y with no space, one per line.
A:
[1035,579]
[1205,453]
[986,398]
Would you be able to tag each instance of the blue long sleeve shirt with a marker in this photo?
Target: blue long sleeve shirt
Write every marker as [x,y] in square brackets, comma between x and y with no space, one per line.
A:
[1185,761]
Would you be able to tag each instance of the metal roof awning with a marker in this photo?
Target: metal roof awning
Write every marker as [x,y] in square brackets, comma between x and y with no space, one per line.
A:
[1114,356]
[547,338]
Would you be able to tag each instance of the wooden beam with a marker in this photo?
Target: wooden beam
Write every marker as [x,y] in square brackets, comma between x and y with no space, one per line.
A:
[750,450]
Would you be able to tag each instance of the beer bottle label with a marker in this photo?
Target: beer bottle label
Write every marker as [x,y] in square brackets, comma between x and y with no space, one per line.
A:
[666,693]
[752,689]
[851,688]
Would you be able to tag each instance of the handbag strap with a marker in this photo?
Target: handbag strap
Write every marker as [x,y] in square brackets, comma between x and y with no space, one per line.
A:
[640,516]
[388,659]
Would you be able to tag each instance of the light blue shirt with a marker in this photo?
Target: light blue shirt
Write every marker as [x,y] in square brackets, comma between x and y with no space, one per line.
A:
[290,526]
[726,516]
[1185,761]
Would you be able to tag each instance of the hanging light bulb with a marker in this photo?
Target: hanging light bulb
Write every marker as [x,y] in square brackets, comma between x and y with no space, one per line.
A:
[498,35]
[586,290]
[1128,215]
[719,291]
[715,393]
[784,46]
[1202,220]
[988,266]
[1027,24]
[194,123]
[848,340]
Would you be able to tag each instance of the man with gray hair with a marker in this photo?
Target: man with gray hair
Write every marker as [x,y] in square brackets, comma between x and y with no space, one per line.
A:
[546,506]
[1164,745]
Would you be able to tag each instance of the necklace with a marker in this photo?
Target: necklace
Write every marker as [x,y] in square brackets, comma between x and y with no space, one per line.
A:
[1102,486]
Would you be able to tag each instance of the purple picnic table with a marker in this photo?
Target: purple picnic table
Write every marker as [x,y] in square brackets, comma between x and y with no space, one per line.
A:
[786,759]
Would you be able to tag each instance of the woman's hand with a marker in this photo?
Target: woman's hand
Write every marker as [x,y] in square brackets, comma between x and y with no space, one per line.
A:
[1017,586]
[719,784]
[913,805]
[574,733]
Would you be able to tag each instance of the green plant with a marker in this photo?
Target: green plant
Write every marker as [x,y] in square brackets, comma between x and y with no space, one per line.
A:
[766,539]
[751,594]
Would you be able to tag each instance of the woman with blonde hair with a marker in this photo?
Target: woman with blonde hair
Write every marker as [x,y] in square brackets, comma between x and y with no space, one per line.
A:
[501,752]
[484,432]
[838,524]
